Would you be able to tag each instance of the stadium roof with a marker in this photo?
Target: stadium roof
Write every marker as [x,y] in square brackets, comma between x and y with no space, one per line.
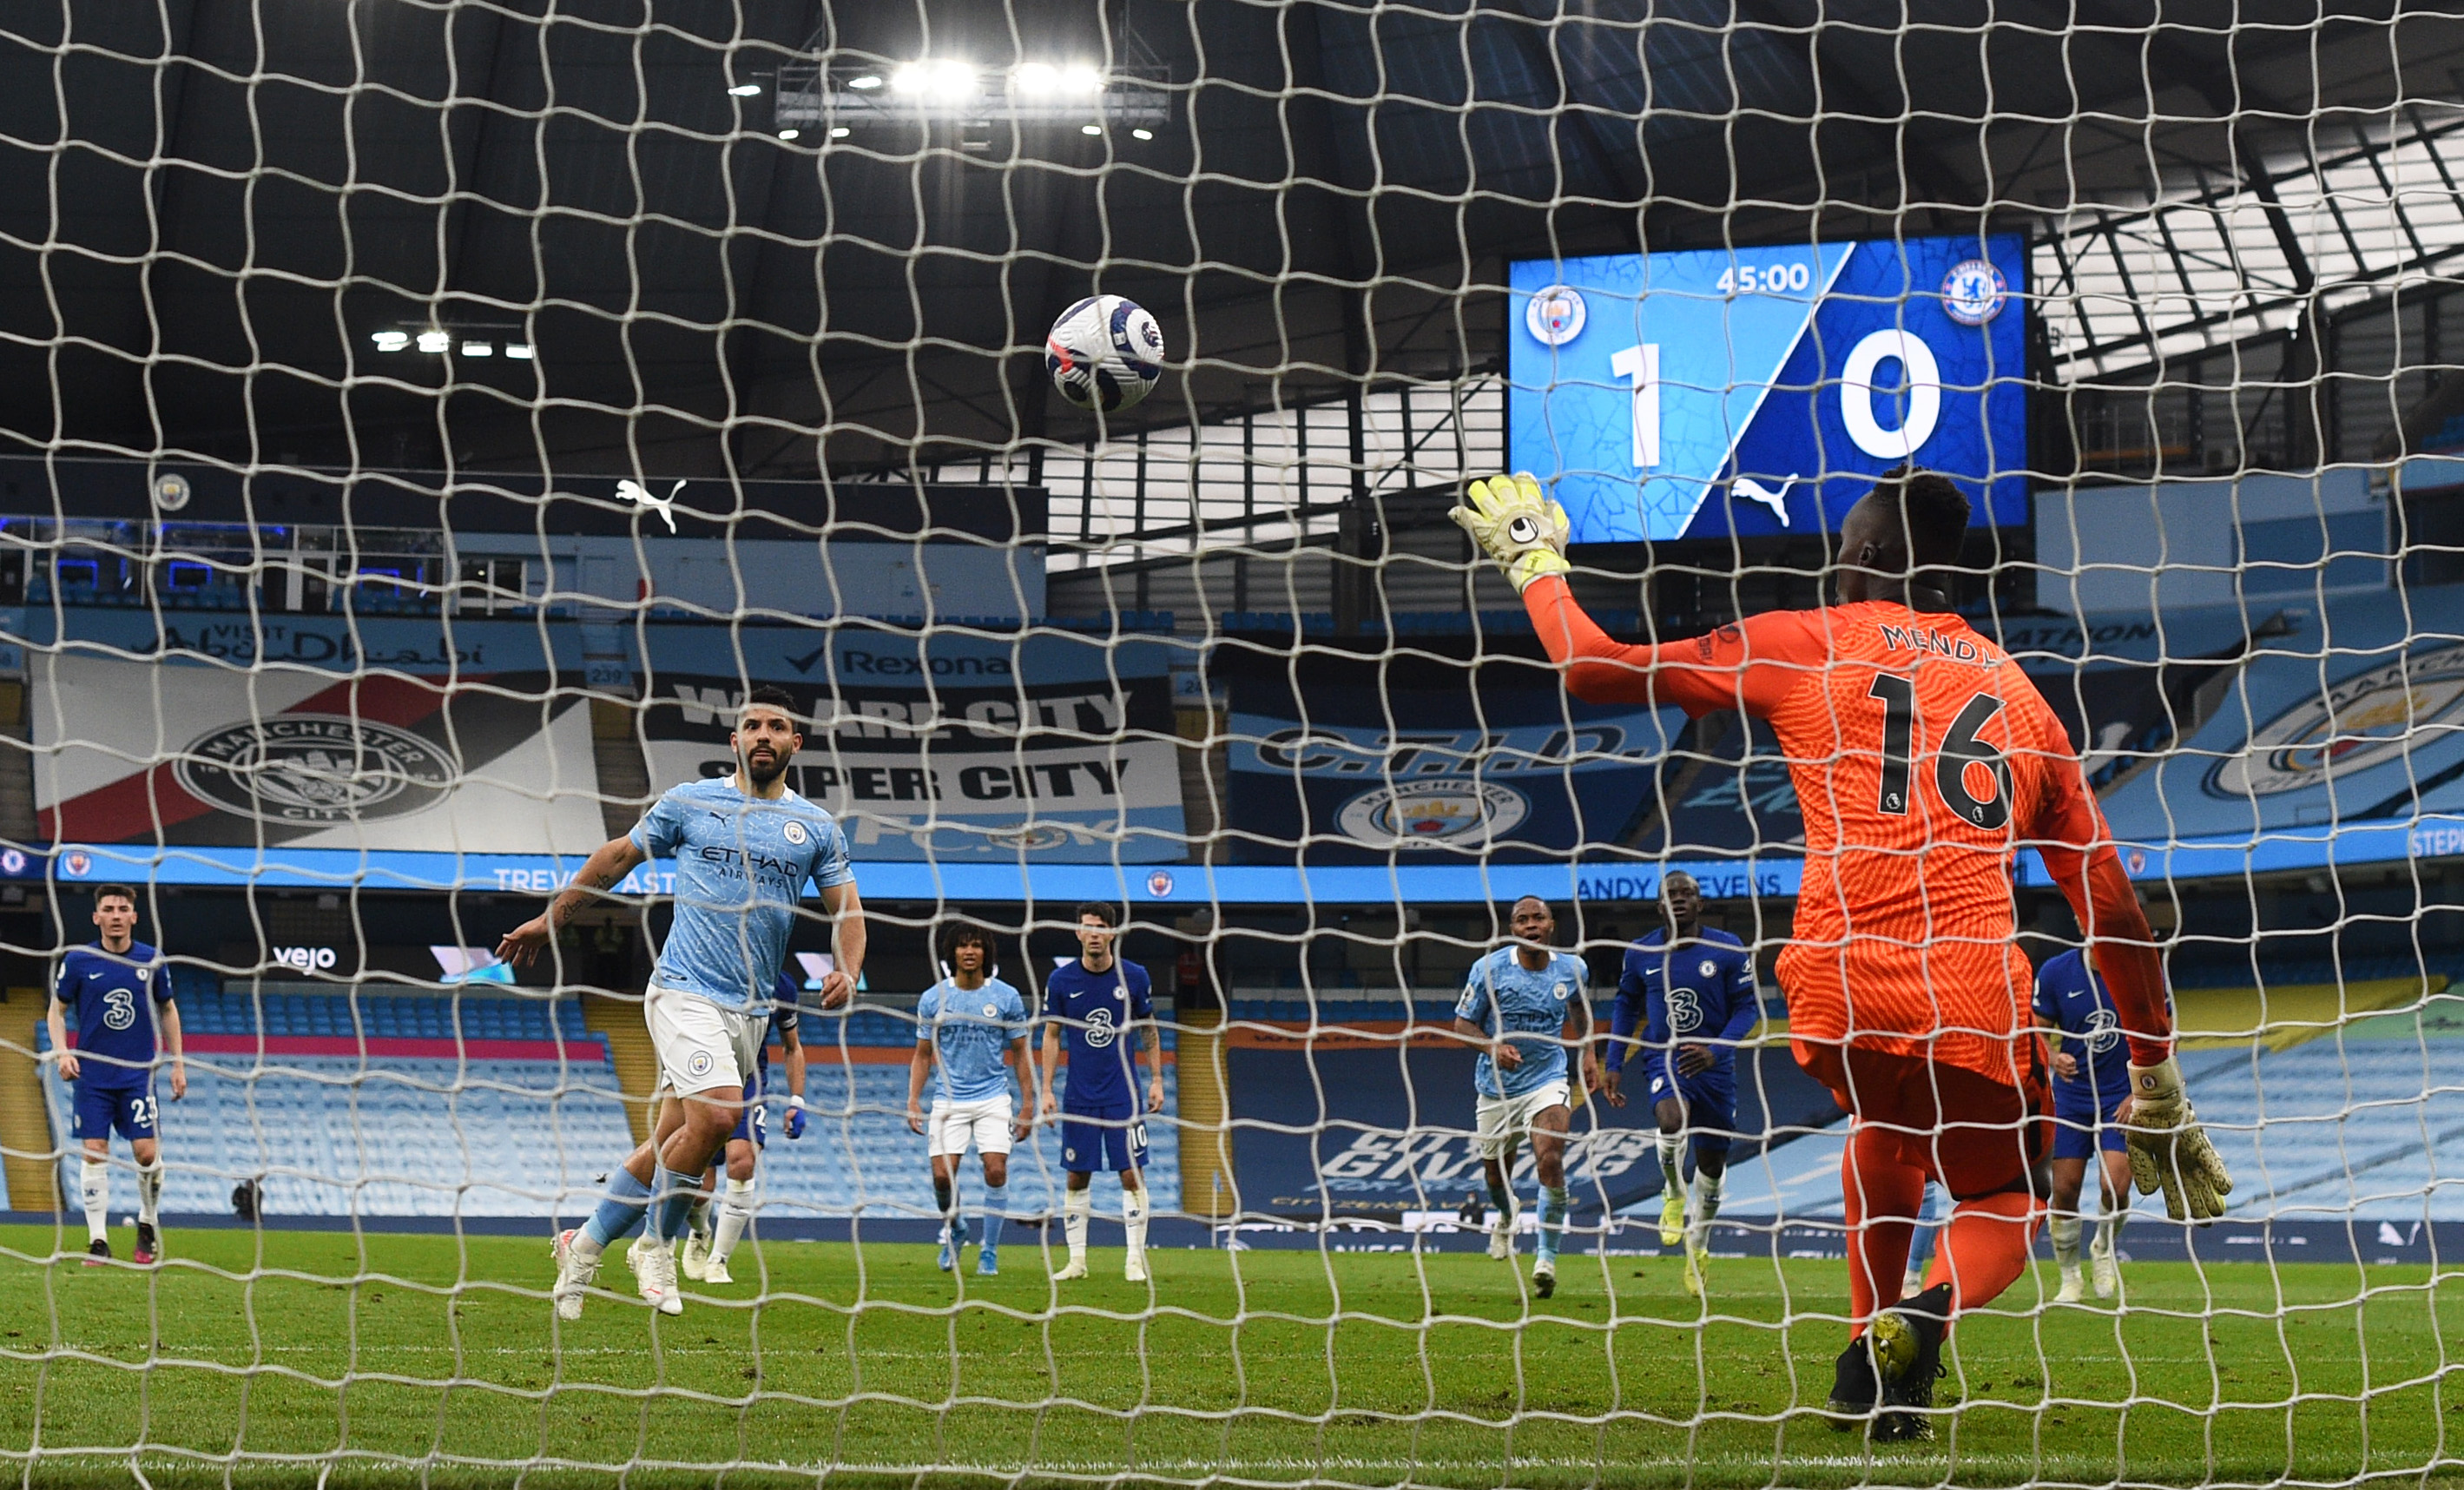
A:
[207,212]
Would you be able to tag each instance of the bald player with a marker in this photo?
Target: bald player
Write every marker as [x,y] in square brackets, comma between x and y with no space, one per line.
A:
[1924,760]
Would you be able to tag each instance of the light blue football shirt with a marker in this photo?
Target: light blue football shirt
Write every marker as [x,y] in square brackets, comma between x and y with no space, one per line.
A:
[741,865]
[969,1029]
[1505,999]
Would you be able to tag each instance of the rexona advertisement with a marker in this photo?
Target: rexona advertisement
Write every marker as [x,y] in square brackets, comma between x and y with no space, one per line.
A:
[1049,748]
[1759,390]
[1434,776]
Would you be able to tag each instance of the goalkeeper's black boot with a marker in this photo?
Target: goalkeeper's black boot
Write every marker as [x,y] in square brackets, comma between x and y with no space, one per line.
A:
[1853,1389]
[1907,1359]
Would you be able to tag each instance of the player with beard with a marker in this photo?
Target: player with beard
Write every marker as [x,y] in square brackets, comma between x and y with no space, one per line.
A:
[744,847]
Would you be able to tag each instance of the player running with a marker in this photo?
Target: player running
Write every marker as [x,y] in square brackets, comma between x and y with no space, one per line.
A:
[2091,1077]
[122,992]
[1522,1004]
[744,847]
[1091,1006]
[1692,991]
[1923,759]
[976,1024]
[709,1239]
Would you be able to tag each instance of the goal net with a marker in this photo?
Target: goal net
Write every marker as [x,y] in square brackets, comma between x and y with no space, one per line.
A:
[425,429]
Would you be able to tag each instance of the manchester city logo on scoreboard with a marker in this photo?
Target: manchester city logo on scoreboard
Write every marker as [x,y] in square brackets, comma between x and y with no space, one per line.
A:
[1555,315]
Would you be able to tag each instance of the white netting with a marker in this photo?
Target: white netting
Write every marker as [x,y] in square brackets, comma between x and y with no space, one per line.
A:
[425,423]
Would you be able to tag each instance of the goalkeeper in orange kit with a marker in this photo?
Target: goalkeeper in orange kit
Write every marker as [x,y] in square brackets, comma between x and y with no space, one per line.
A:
[1923,760]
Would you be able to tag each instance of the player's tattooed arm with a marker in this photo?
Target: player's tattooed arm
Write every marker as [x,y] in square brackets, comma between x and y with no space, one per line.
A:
[607,866]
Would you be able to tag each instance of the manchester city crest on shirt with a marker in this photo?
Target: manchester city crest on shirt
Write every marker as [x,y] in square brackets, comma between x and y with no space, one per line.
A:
[796,833]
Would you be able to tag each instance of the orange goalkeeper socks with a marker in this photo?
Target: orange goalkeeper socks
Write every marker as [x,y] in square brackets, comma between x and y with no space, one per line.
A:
[1882,1191]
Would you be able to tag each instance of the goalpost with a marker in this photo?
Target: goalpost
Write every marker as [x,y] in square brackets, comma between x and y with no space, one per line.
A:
[425,424]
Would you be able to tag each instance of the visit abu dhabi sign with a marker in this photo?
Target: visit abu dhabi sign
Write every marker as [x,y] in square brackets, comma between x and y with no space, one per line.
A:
[1760,390]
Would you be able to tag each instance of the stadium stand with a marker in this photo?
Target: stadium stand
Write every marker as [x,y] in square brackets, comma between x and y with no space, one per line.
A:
[491,1106]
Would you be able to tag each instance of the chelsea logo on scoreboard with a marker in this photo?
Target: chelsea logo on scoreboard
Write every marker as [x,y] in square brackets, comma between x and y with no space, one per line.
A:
[1973,292]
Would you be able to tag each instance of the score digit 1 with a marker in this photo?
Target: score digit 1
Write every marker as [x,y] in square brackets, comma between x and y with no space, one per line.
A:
[1639,367]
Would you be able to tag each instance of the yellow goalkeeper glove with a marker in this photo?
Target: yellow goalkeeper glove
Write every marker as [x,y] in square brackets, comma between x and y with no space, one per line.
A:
[2168,1149]
[1516,525]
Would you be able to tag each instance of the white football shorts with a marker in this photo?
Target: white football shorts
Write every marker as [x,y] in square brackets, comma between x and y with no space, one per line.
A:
[702,1046]
[1505,1121]
[985,1122]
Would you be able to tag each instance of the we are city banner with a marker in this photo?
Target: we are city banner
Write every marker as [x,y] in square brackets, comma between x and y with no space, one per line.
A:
[312,735]
[943,747]
[1467,773]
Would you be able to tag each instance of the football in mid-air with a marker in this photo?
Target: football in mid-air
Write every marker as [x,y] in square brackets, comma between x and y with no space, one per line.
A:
[1104,354]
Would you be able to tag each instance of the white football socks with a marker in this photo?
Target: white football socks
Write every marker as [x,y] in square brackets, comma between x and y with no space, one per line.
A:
[149,1191]
[1134,1219]
[93,1187]
[1076,1205]
[735,1212]
[1706,1208]
[2108,1231]
[2066,1242]
[1672,1162]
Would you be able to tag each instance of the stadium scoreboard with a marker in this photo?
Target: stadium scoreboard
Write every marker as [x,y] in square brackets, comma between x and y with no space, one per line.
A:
[1701,393]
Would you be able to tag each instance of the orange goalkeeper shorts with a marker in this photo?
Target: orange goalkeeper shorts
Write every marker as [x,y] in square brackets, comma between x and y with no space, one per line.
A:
[1977,1137]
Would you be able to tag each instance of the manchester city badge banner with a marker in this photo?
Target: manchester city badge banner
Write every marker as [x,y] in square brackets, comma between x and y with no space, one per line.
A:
[1436,775]
[204,755]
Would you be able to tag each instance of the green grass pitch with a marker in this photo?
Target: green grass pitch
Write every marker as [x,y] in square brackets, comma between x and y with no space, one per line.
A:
[324,1358]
